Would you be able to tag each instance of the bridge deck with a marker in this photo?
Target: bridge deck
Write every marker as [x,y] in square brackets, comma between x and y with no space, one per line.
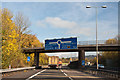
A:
[80,47]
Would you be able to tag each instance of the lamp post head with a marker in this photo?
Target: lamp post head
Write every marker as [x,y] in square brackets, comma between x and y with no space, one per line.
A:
[104,6]
[88,6]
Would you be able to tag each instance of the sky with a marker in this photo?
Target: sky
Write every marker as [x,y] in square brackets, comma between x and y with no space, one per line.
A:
[51,20]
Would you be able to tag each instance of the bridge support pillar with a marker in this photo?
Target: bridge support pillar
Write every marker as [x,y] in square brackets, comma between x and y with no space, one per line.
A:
[36,60]
[81,57]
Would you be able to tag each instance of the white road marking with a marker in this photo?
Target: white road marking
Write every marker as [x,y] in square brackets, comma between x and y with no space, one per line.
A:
[66,74]
[61,70]
[70,78]
[35,74]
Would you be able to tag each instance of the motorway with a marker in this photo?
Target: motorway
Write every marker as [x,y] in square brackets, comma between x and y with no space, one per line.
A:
[53,74]
[62,74]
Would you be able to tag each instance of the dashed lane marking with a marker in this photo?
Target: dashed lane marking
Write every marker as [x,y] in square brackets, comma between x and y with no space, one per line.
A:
[35,74]
[61,70]
[70,78]
[66,75]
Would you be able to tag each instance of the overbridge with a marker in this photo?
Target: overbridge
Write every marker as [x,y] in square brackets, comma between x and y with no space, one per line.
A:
[81,49]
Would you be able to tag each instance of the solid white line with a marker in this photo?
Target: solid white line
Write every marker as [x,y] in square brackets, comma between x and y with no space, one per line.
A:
[35,74]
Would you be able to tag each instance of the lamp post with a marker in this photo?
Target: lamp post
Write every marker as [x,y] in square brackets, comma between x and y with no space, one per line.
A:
[96,29]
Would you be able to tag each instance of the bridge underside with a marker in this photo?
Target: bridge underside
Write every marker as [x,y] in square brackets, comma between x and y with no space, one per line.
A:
[85,48]
[81,50]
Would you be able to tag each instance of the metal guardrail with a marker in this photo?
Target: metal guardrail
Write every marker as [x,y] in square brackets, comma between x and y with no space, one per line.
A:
[15,69]
[103,72]
[93,42]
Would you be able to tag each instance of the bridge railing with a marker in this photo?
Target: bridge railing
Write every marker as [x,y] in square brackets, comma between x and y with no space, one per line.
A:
[93,42]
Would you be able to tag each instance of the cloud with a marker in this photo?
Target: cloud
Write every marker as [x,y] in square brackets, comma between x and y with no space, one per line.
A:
[83,28]
[56,22]
[59,1]
[81,31]
[106,29]
[40,23]
[76,20]
[78,12]
[70,26]
[65,27]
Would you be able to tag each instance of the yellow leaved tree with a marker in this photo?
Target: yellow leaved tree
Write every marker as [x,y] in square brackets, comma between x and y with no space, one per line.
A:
[15,37]
[11,55]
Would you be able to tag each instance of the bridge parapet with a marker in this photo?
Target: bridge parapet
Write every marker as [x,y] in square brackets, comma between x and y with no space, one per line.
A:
[93,42]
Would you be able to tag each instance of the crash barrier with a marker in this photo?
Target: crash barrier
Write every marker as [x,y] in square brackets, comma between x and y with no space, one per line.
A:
[108,73]
[2,71]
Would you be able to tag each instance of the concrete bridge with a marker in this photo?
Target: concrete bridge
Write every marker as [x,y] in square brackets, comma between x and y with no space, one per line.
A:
[81,49]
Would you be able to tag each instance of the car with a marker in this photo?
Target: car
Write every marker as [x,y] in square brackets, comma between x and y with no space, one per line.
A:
[101,66]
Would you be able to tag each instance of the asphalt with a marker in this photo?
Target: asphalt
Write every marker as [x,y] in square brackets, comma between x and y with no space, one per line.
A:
[65,74]
[53,74]
[22,75]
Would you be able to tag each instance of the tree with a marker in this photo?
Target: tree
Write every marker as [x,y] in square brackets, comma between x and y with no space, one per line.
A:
[43,60]
[14,38]
[30,41]
[86,60]
[0,39]
[111,41]
[10,51]
[22,24]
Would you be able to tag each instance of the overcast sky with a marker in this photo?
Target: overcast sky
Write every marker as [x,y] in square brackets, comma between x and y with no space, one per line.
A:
[68,19]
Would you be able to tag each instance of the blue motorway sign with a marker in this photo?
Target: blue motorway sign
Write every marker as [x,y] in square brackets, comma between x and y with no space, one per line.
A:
[64,43]
[28,58]
[83,62]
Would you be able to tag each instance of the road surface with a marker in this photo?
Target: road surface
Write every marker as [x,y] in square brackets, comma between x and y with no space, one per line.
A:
[53,74]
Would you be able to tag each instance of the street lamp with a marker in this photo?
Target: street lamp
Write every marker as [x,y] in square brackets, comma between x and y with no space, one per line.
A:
[96,28]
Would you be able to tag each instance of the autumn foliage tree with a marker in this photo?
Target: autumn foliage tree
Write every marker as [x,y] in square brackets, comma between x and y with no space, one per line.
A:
[14,38]
[10,51]
[31,41]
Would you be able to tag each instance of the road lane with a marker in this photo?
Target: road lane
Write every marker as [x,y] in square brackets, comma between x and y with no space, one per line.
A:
[35,74]
[22,75]
[54,74]
[51,74]
[66,74]
[78,75]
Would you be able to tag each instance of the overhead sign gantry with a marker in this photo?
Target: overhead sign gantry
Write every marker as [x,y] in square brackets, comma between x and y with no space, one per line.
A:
[63,43]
